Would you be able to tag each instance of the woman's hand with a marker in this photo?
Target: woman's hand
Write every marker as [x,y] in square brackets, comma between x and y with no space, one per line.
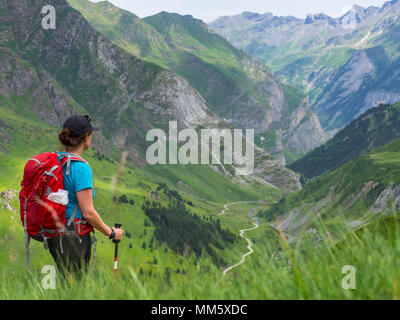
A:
[118,234]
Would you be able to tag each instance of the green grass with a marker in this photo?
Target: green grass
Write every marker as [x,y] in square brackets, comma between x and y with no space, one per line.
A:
[274,271]
[203,187]
[208,184]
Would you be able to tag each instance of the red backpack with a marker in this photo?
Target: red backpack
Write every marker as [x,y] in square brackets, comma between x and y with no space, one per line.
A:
[42,218]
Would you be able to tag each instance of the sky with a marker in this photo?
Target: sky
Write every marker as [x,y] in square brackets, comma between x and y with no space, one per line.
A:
[208,10]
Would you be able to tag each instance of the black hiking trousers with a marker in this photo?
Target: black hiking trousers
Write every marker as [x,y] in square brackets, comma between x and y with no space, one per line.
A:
[71,253]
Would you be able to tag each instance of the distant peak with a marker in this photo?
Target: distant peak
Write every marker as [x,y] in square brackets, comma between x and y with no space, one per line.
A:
[164,13]
[316,17]
[390,3]
[250,15]
[360,12]
[253,15]
[104,3]
[171,17]
[357,7]
[173,14]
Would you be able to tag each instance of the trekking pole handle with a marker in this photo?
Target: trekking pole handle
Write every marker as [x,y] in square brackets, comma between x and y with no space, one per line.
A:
[118,226]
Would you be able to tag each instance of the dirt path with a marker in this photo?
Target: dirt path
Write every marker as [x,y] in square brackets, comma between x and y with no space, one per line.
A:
[242,232]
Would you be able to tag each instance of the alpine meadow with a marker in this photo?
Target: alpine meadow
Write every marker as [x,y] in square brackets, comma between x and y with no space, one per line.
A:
[315,218]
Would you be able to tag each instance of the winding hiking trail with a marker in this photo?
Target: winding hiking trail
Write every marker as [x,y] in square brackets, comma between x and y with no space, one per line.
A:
[242,232]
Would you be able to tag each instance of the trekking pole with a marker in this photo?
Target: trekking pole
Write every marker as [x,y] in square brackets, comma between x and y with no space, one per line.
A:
[117,226]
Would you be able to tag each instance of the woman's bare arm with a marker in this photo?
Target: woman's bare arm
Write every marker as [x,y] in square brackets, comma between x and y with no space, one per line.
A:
[85,200]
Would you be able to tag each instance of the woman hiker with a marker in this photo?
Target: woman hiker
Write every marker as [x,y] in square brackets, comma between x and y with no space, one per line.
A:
[71,251]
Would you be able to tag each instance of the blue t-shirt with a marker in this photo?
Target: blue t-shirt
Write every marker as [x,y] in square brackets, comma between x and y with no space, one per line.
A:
[80,178]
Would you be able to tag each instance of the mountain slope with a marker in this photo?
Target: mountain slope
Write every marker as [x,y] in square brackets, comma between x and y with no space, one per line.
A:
[295,49]
[375,128]
[235,86]
[98,75]
[340,63]
[54,73]
[361,191]
[369,78]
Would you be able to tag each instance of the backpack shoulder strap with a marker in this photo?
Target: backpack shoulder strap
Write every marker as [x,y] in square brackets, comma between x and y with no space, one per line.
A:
[71,157]
[74,157]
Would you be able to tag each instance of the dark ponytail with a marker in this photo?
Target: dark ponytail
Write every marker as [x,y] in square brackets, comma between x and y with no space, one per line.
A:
[68,142]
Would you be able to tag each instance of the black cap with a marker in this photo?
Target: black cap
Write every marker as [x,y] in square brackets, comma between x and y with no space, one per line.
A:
[79,125]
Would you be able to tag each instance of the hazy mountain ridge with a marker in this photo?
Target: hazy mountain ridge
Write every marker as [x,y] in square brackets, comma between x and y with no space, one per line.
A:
[313,54]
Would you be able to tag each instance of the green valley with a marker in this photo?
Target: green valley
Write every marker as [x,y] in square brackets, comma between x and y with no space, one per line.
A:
[237,87]
[201,232]
[374,128]
[354,195]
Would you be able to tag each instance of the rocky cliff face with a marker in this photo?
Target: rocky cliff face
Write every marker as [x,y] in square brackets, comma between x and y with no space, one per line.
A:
[6,200]
[369,79]
[388,201]
[305,131]
[296,127]
[345,85]
[74,69]
[20,79]
[188,106]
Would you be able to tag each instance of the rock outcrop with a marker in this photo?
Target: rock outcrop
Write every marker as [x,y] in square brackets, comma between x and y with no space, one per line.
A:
[388,201]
